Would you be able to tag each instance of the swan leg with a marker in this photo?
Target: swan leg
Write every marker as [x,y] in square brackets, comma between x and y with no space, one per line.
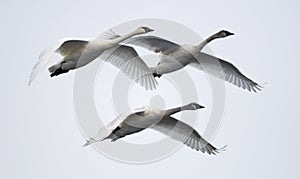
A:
[58,72]
[122,131]
[63,67]
[154,71]
[53,68]
[156,75]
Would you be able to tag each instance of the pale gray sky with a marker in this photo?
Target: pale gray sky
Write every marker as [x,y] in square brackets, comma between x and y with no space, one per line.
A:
[39,134]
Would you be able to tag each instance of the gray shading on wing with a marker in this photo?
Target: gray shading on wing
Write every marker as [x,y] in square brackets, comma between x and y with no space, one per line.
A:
[128,61]
[64,47]
[184,133]
[109,35]
[71,46]
[224,70]
[152,43]
[46,56]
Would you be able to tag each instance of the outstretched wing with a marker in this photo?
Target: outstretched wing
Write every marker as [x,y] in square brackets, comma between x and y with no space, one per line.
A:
[224,70]
[184,133]
[152,43]
[128,61]
[44,59]
[63,47]
[105,131]
[71,46]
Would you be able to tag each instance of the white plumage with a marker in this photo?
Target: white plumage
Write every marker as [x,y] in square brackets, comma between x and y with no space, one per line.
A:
[174,57]
[158,120]
[80,52]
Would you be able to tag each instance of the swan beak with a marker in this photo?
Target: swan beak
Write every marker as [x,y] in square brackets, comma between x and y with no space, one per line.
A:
[201,107]
[150,30]
[230,33]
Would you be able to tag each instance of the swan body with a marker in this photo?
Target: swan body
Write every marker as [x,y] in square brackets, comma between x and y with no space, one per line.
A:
[175,57]
[158,120]
[80,52]
[175,60]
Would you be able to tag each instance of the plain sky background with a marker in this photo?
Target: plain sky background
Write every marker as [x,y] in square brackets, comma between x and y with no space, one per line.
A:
[38,132]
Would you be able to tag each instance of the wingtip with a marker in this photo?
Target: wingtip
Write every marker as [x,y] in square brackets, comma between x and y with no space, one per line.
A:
[32,77]
[29,82]
[222,149]
[217,150]
[89,142]
[258,87]
[262,85]
[86,144]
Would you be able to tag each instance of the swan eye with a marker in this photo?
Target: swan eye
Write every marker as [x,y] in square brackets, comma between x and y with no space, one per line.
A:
[146,29]
[156,50]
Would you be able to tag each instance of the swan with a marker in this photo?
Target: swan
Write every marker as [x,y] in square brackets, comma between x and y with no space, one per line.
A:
[80,52]
[175,57]
[158,120]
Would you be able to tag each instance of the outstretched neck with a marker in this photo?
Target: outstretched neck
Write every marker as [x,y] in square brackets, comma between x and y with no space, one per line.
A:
[206,41]
[176,110]
[124,37]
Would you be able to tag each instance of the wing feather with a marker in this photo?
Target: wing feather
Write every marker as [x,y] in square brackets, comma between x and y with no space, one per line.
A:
[224,70]
[128,61]
[184,133]
[64,46]
[152,43]
[46,56]
[70,46]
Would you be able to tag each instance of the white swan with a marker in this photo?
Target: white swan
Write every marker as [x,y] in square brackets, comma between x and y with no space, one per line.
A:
[159,120]
[175,57]
[79,52]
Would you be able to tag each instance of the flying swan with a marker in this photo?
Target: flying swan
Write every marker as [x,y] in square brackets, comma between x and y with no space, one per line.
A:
[80,52]
[158,120]
[175,57]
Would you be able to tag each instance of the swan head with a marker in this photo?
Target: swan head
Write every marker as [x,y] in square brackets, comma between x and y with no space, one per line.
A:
[144,30]
[224,33]
[194,106]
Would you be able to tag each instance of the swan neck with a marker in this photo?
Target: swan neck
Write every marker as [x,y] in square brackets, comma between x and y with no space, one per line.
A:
[126,36]
[172,111]
[176,110]
[206,41]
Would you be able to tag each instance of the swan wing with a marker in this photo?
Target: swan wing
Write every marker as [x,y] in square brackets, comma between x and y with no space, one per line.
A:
[63,47]
[105,131]
[109,35]
[152,43]
[224,70]
[128,61]
[184,133]
[44,60]
[70,46]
